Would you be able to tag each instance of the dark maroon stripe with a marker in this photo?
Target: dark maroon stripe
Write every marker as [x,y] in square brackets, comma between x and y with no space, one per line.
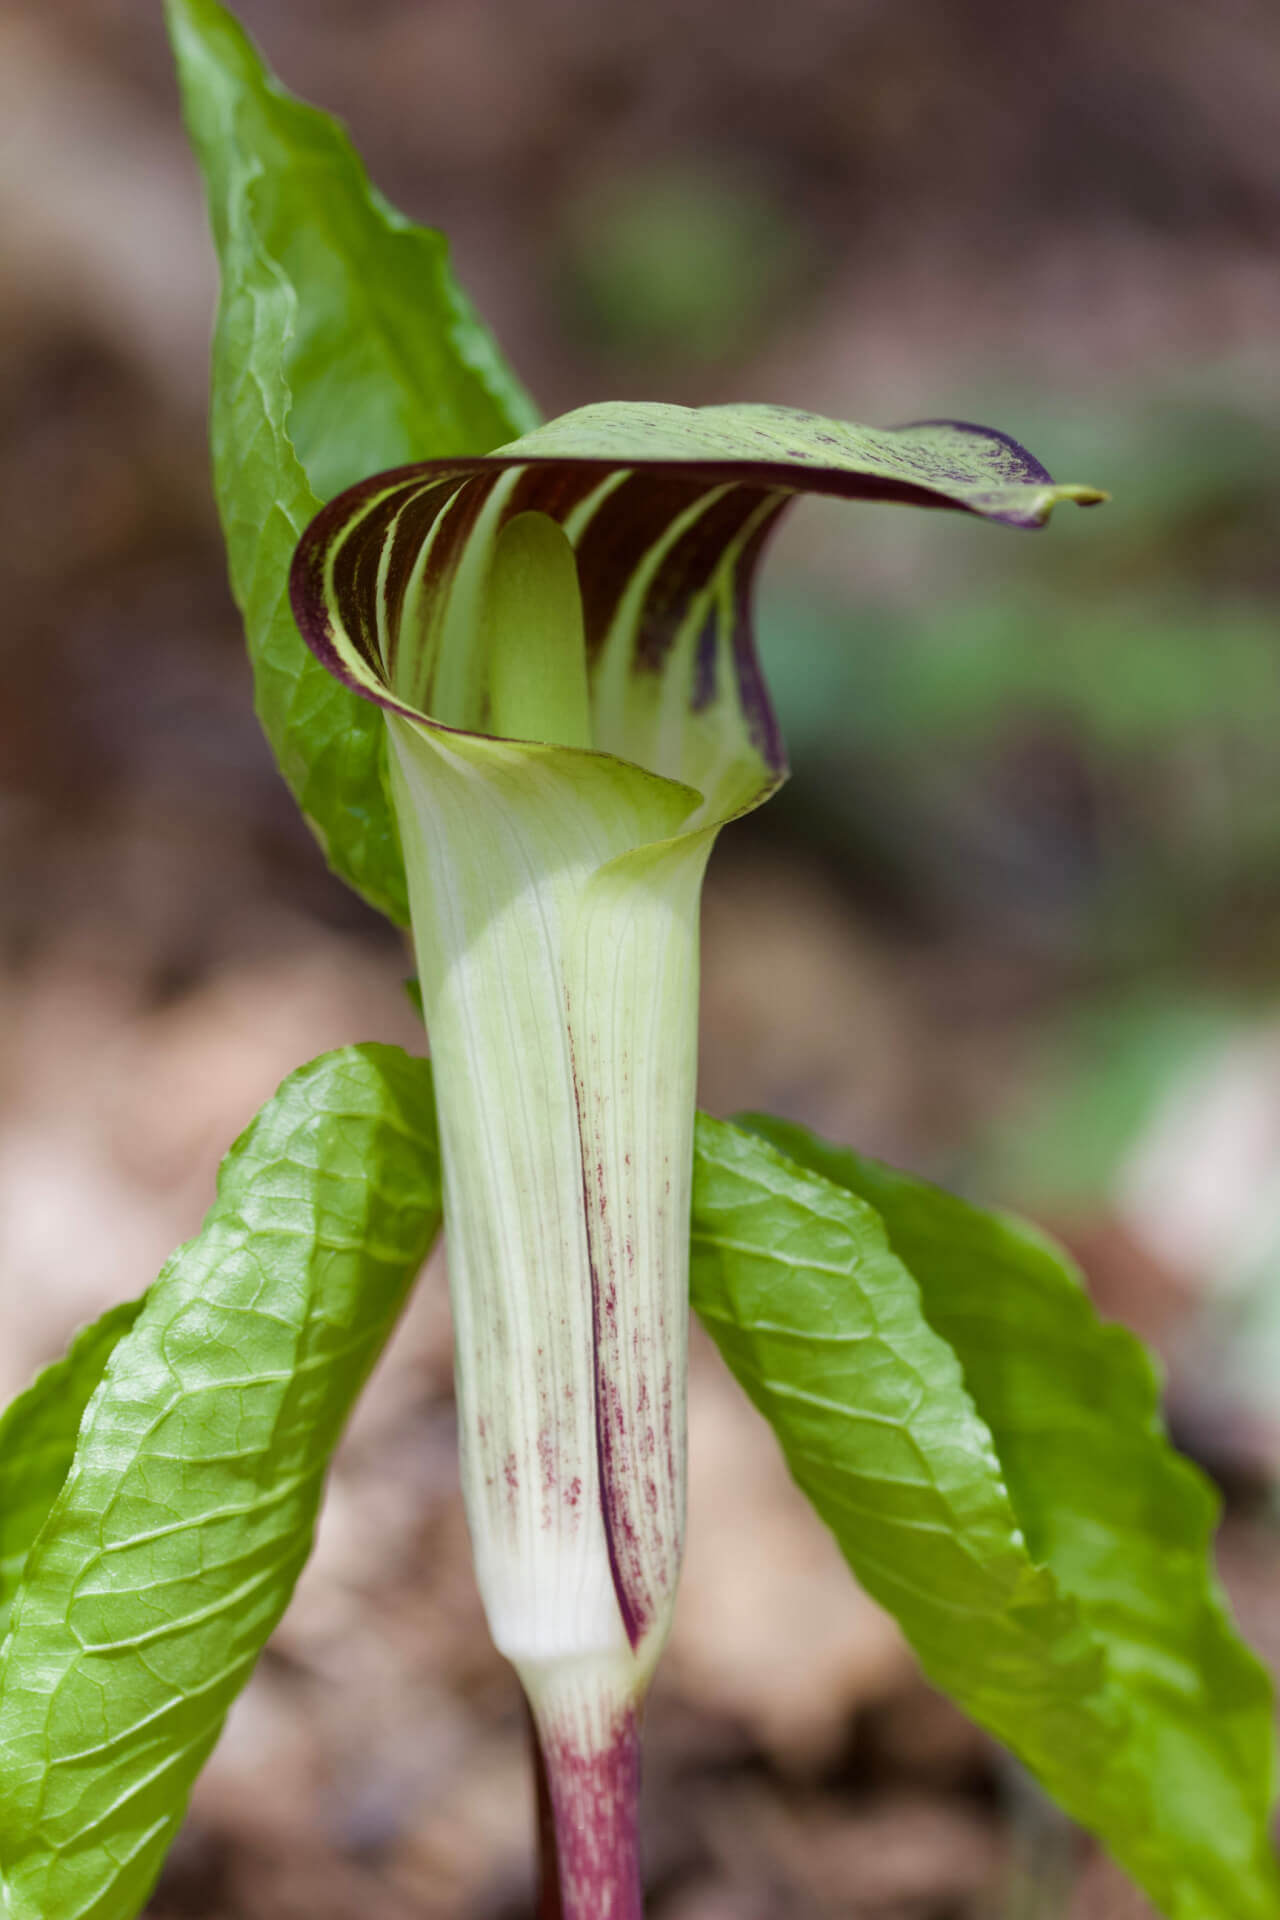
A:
[554,490]
[407,538]
[458,517]
[631,521]
[463,511]
[633,1621]
[703,691]
[685,570]
[354,578]
[753,694]
[307,590]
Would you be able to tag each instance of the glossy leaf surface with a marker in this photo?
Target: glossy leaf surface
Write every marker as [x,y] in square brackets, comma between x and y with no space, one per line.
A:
[342,345]
[189,1507]
[990,1458]
[38,1440]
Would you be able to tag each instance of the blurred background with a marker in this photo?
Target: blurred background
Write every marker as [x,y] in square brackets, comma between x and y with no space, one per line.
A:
[1015,923]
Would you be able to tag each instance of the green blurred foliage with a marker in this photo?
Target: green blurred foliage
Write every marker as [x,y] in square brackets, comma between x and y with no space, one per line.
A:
[680,265]
[1102,1071]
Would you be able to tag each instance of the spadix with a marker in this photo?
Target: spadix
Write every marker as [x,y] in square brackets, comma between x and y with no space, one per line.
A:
[533,643]
[561,638]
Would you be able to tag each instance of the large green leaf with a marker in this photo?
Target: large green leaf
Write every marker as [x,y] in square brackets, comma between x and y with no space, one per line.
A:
[38,1439]
[189,1507]
[343,345]
[990,1458]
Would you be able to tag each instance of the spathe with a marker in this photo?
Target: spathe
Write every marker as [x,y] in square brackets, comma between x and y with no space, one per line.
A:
[560,635]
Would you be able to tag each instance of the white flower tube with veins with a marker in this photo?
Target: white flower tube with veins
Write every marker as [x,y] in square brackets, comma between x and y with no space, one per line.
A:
[560,636]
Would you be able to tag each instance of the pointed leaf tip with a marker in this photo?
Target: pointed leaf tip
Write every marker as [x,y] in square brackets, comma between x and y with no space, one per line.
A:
[343,344]
[1038,510]
[1082,495]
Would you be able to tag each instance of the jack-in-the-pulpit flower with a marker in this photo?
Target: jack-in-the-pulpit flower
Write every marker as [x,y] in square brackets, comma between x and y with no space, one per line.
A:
[560,635]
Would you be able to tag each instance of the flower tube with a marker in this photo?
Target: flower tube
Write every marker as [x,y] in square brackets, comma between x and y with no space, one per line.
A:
[560,636]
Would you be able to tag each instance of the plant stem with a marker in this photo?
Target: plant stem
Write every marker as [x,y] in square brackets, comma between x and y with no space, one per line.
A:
[588,1805]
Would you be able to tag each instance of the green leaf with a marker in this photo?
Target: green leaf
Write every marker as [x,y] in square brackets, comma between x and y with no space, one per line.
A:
[823,1326]
[1053,1470]
[38,1439]
[189,1508]
[342,345]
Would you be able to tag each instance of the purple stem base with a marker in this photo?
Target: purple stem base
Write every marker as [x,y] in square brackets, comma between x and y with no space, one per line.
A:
[588,1808]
